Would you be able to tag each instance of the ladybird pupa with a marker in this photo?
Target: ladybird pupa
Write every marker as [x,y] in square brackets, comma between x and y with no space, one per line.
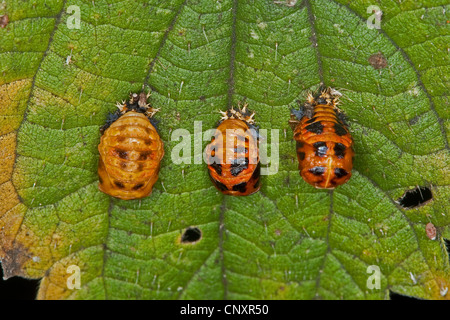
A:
[233,154]
[130,151]
[323,142]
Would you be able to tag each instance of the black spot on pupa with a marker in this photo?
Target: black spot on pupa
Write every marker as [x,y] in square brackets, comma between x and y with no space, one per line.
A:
[144,155]
[219,184]
[340,130]
[217,167]
[339,172]
[119,184]
[339,150]
[317,171]
[138,186]
[301,155]
[122,153]
[239,161]
[100,180]
[191,234]
[311,120]
[315,127]
[241,150]
[415,198]
[321,148]
[236,170]
[241,187]
[238,165]
[257,171]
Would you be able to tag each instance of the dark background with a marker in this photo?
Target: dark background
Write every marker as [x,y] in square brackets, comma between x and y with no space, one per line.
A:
[17,288]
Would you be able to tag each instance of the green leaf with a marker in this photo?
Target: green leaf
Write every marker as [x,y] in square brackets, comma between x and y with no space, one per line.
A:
[288,241]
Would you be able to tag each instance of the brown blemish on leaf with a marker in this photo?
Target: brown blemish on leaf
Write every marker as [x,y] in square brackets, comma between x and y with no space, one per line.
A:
[4,20]
[14,260]
[378,61]
[27,254]
[431,231]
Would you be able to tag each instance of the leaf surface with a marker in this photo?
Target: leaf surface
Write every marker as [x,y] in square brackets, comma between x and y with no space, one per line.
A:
[288,241]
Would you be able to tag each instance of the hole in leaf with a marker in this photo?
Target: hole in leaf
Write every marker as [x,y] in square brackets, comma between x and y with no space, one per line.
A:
[191,234]
[415,198]
[447,246]
[401,297]
[17,288]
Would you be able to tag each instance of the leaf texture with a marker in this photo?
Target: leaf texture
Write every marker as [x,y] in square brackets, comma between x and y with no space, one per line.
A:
[288,241]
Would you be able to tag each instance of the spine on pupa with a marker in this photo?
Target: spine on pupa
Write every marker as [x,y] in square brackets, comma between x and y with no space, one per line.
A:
[137,103]
[240,114]
[324,96]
